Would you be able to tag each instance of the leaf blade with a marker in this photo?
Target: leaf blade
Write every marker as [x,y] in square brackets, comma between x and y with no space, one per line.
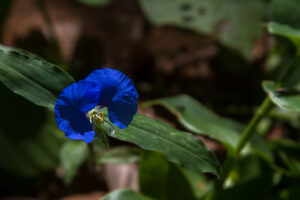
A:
[180,147]
[32,77]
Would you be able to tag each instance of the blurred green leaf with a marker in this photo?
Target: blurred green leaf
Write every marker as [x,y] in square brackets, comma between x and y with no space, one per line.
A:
[179,147]
[118,155]
[124,194]
[32,77]
[258,188]
[292,193]
[95,2]
[289,100]
[162,180]
[250,167]
[235,23]
[197,118]
[285,12]
[72,155]
[29,138]
[288,151]
[286,31]
[200,184]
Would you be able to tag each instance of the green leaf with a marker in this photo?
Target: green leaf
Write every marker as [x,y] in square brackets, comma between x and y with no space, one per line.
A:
[197,118]
[258,188]
[32,77]
[124,194]
[162,180]
[118,155]
[201,185]
[29,138]
[288,152]
[72,155]
[285,12]
[250,167]
[286,31]
[179,147]
[235,23]
[95,2]
[289,100]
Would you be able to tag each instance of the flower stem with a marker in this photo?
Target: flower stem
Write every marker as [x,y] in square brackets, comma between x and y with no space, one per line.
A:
[262,111]
[104,137]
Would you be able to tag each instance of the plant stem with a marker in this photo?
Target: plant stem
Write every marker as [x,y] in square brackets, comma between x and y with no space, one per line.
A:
[92,155]
[262,111]
[248,132]
[104,137]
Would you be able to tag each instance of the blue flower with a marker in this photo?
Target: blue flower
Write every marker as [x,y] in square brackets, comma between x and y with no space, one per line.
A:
[105,88]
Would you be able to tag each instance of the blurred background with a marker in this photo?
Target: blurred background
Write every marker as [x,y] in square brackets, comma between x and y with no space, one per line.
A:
[217,51]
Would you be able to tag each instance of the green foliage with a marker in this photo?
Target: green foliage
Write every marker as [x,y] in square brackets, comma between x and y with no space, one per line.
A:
[289,100]
[179,147]
[72,155]
[285,12]
[95,2]
[288,152]
[124,194]
[32,77]
[200,184]
[40,82]
[286,31]
[197,118]
[236,23]
[162,180]
[29,138]
[258,188]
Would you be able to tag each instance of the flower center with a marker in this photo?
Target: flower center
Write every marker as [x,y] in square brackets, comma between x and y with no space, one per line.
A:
[96,117]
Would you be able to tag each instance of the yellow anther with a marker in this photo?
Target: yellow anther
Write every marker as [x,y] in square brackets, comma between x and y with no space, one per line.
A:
[100,120]
[96,117]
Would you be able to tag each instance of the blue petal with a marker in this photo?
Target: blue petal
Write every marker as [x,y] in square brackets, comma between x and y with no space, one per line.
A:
[71,108]
[121,110]
[118,93]
[111,83]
